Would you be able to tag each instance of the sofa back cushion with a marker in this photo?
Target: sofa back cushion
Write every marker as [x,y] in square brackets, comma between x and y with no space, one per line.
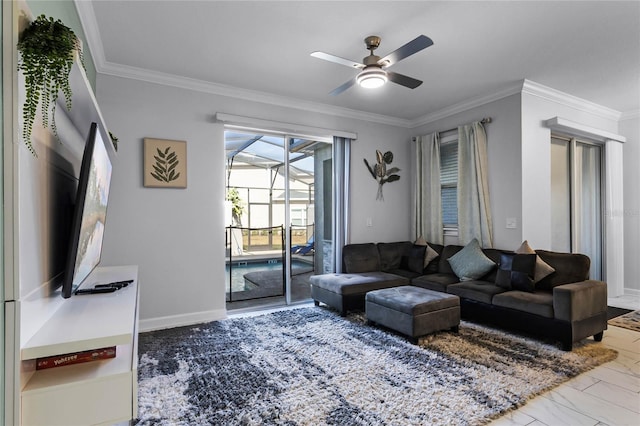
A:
[391,254]
[494,255]
[569,268]
[360,258]
[443,261]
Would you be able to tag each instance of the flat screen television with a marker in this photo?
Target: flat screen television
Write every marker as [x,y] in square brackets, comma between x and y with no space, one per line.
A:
[89,213]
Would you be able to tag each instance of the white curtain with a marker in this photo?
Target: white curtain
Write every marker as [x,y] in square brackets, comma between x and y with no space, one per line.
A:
[426,216]
[341,170]
[474,210]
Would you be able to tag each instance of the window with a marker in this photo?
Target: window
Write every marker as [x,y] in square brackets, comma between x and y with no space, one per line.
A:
[449,181]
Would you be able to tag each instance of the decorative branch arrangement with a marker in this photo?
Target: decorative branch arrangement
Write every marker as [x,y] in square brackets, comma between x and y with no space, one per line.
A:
[47,53]
[380,172]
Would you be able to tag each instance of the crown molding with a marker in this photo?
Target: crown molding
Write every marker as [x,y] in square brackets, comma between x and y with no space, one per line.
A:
[630,115]
[201,86]
[553,95]
[466,105]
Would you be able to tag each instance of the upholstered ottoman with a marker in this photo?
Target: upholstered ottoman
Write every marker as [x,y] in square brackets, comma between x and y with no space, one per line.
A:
[413,311]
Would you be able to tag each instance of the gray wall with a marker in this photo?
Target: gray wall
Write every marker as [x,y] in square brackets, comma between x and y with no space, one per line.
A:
[176,235]
[504,152]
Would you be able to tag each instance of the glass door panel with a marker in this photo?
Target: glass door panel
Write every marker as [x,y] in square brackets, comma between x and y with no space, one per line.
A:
[588,205]
[576,200]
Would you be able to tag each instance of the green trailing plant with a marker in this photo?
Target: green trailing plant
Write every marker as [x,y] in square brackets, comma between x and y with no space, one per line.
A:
[164,169]
[236,205]
[380,172]
[47,49]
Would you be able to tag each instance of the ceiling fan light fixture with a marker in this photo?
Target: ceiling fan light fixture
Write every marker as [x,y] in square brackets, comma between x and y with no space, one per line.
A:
[372,78]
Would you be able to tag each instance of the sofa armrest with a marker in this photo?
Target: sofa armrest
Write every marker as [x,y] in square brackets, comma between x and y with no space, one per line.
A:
[577,301]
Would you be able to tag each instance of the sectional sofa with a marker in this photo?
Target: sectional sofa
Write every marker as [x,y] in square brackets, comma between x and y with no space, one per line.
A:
[565,305]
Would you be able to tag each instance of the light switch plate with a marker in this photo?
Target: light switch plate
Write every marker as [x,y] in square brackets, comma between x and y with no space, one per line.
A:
[512,223]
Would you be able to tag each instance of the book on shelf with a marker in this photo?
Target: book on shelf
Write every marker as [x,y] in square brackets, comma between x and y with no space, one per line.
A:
[75,358]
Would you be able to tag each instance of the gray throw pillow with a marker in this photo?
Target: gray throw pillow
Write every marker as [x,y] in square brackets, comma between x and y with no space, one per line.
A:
[471,263]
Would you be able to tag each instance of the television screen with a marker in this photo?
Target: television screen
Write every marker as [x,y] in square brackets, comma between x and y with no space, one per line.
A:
[90,211]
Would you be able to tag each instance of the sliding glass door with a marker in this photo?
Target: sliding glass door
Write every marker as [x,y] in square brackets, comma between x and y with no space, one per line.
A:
[577,200]
[278,196]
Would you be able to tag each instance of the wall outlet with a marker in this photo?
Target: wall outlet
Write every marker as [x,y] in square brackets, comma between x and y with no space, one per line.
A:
[369,222]
[512,223]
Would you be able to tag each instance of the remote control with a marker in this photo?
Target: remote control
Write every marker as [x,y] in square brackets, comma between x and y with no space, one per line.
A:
[96,290]
[118,286]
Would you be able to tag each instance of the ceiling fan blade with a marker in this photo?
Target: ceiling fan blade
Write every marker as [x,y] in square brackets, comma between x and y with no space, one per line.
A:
[344,87]
[414,46]
[403,80]
[337,60]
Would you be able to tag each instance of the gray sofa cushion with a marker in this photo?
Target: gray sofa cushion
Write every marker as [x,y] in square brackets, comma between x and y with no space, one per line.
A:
[569,268]
[537,303]
[360,258]
[347,284]
[443,261]
[481,291]
[494,255]
[437,281]
[391,254]
[405,273]
[414,260]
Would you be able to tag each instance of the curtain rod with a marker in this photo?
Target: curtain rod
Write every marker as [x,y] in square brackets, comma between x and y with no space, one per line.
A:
[483,121]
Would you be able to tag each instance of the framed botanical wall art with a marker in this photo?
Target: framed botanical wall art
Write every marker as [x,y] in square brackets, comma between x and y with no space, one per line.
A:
[165,163]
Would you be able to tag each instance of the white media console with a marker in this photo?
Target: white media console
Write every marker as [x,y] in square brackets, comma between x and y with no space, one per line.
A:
[100,392]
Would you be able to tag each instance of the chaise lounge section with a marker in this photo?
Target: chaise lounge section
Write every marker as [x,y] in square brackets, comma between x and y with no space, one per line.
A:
[363,273]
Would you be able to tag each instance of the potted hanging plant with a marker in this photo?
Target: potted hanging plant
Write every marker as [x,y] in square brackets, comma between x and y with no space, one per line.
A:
[47,49]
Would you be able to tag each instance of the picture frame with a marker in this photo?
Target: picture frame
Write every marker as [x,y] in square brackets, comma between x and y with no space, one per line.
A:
[165,163]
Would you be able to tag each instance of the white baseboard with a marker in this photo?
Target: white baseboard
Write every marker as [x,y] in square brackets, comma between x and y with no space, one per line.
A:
[631,292]
[171,321]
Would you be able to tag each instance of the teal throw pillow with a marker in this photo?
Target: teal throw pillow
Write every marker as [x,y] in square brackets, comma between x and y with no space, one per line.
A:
[471,263]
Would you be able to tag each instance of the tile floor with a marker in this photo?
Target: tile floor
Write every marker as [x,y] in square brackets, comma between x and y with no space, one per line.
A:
[608,395]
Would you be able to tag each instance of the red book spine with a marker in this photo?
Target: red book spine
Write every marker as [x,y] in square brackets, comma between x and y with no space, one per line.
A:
[75,358]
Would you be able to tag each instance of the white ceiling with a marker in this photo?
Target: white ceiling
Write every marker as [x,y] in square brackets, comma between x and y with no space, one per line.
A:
[260,50]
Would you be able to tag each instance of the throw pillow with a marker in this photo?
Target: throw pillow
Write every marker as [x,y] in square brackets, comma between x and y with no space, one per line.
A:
[414,261]
[429,255]
[471,263]
[516,272]
[542,268]
[421,241]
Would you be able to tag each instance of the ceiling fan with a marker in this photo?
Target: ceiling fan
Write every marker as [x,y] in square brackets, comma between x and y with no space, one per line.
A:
[374,73]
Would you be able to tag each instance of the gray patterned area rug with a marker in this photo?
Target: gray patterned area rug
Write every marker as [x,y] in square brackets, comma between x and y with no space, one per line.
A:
[309,366]
[630,321]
